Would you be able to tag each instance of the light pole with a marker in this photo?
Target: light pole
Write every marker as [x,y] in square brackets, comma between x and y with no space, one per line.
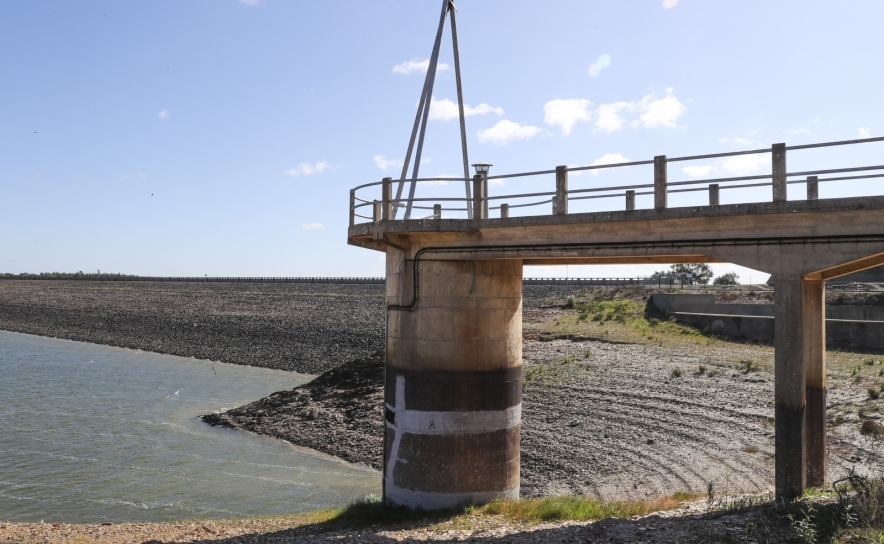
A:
[482,169]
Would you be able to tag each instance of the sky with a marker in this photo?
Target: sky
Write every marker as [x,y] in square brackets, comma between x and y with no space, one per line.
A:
[222,137]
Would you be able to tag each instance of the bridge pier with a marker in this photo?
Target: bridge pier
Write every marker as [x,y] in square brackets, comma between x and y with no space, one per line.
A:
[800,389]
[453,381]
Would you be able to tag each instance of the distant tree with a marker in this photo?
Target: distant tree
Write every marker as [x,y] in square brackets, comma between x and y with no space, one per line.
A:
[700,273]
[729,278]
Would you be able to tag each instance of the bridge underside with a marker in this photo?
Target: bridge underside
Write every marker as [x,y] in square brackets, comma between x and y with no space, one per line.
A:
[802,243]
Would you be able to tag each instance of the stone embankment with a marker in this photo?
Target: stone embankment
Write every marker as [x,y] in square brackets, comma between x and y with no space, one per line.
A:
[307,328]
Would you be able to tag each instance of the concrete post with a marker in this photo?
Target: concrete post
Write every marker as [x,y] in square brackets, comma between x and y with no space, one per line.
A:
[813,188]
[352,207]
[485,195]
[561,207]
[630,200]
[386,197]
[789,389]
[660,195]
[778,170]
[814,347]
[453,382]
[437,211]
[504,211]
[376,211]
[713,194]
[478,197]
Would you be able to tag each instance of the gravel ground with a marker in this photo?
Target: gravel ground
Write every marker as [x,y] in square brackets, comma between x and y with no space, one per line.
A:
[604,412]
[689,525]
[604,418]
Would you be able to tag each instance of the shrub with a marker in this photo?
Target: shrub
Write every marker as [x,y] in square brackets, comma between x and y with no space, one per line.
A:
[676,373]
[874,393]
[726,279]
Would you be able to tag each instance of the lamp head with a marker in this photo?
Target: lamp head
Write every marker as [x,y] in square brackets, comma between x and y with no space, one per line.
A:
[482,167]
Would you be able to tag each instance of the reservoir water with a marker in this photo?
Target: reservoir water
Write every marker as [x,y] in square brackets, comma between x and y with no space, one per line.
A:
[93,433]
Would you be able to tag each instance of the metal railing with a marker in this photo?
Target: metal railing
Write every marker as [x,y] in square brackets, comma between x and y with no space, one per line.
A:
[374,209]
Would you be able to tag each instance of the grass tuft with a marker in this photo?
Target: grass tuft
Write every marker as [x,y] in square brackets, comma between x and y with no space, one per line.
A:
[580,508]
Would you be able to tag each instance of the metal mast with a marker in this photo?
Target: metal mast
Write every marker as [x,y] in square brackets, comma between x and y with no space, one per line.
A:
[423,112]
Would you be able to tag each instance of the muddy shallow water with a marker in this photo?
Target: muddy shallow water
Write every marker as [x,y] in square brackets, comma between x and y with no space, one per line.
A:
[93,433]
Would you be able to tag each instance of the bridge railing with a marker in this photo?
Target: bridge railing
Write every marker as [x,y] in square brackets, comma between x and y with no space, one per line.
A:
[374,202]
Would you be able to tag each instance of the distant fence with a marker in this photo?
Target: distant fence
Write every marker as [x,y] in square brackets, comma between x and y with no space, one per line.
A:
[591,281]
[358,281]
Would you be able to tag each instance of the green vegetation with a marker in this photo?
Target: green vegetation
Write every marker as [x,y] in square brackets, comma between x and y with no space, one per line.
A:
[749,366]
[874,394]
[676,373]
[370,511]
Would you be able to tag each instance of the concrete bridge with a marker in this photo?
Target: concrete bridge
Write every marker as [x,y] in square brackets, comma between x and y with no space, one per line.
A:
[454,321]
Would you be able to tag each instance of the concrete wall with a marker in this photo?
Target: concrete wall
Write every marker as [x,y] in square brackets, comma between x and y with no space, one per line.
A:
[846,326]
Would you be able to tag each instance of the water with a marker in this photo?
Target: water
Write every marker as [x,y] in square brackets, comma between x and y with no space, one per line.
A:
[93,433]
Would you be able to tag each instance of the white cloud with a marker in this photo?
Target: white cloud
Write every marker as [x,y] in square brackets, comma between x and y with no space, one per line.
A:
[164,114]
[249,2]
[506,131]
[306,169]
[669,4]
[660,112]
[743,165]
[723,140]
[865,132]
[445,110]
[795,131]
[743,141]
[754,132]
[566,113]
[698,171]
[312,226]
[608,116]
[653,112]
[415,65]
[383,162]
[608,158]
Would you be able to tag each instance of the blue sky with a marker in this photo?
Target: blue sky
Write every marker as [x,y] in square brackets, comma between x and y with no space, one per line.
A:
[222,137]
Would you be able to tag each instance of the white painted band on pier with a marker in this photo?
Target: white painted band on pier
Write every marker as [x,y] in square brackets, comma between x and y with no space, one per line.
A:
[429,501]
[421,422]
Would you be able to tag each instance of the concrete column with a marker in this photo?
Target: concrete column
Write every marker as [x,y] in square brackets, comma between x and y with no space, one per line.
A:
[630,200]
[454,382]
[778,169]
[504,211]
[660,194]
[437,211]
[386,197]
[713,194]
[814,327]
[789,389]
[478,197]
[561,207]
[376,211]
[813,188]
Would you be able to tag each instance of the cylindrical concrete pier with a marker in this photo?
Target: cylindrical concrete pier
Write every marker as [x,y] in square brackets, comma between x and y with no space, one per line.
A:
[454,382]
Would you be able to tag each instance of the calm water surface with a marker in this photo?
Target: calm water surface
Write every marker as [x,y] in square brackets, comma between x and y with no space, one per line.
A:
[93,433]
